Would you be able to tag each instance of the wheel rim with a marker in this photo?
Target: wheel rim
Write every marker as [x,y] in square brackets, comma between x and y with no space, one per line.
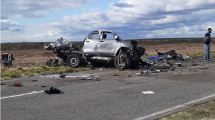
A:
[73,61]
[122,60]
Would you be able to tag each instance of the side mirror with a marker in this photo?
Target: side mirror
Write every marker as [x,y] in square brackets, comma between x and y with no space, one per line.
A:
[116,37]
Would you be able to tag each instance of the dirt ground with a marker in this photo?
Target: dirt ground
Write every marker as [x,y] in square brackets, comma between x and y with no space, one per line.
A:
[30,58]
[193,79]
[38,57]
[182,48]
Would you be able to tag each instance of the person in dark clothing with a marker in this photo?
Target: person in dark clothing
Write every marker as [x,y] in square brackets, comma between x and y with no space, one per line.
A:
[207,41]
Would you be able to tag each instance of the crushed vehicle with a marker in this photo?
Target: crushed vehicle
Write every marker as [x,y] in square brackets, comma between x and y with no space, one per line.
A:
[99,46]
[7,59]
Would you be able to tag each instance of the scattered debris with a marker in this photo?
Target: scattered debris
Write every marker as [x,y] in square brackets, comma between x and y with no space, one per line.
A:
[114,74]
[165,61]
[172,68]
[153,58]
[87,78]
[164,70]
[43,85]
[148,92]
[90,77]
[77,76]
[145,72]
[62,76]
[186,57]
[101,69]
[156,71]
[178,64]
[129,74]
[171,54]
[199,67]
[53,62]
[139,73]
[194,64]
[17,84]
[34,80]
[53,90]
[2,83]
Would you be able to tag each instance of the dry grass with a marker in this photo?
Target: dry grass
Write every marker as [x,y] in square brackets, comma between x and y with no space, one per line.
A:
[182,48]
[8,73]
[38,57]
[204,111]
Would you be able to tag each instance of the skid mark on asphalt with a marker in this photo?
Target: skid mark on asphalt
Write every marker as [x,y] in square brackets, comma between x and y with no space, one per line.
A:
[171,110]
[24,94]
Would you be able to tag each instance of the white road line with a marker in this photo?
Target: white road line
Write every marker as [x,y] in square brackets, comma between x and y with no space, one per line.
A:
[175,108]
[24,94]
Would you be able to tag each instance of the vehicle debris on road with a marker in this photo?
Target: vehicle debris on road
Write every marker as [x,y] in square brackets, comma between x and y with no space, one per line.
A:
[17,84]
[43,85]
[129,74]
[53,90]
[142,73]
[54,62]
[2,83]
[80,76]
[163,62]
[114,74]
[90,77]
[34,80]
[62,75]
[171,54]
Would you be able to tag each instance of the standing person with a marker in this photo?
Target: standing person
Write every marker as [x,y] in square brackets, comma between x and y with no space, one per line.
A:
[207,41]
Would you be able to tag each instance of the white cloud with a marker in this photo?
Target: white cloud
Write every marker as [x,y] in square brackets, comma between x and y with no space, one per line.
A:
[10,25]
[183,31]
[130,18]
[144,17]
[35,8]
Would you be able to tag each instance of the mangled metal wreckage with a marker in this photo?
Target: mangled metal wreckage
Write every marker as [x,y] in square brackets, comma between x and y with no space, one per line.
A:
[99,46]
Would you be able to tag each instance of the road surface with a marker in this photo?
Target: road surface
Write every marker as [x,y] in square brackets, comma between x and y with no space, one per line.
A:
[112,97]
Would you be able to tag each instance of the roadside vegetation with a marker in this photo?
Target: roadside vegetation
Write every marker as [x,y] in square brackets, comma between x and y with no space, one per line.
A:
[205,111]
[8,73]
[200,54]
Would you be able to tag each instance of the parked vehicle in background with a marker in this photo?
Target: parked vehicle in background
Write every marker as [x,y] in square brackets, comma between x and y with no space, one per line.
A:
[7,59]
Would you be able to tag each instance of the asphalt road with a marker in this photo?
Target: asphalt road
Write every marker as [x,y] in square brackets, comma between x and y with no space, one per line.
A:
[111,98]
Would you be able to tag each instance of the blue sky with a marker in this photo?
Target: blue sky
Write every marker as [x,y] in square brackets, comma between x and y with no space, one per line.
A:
[47,20]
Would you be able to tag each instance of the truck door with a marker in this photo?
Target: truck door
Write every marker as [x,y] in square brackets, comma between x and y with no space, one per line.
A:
[107,43]
[91,43]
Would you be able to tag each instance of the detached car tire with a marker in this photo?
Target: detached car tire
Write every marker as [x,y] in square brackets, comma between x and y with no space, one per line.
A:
[122,61]
[74,60]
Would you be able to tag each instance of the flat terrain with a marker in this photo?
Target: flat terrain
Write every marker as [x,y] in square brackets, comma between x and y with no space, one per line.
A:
[38,57]
[30,58]
[110,94]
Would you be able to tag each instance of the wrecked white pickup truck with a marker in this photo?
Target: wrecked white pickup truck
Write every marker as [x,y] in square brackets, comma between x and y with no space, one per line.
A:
[99,46]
